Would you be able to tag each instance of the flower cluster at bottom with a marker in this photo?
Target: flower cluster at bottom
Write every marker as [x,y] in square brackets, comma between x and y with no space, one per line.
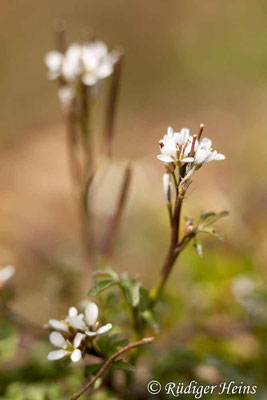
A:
[73,335]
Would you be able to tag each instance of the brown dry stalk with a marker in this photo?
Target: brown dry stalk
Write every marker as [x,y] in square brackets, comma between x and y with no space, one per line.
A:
[107,363]
[112,104]
[60,35]
[112,230]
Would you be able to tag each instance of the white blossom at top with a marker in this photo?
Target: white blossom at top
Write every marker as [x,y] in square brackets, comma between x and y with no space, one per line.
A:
[66,348]
[6,273]
[89,62]
[176,147]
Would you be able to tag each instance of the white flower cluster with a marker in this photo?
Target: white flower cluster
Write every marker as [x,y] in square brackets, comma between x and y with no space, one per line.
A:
[72,334]
[87,62]
[180,148]
[6,273]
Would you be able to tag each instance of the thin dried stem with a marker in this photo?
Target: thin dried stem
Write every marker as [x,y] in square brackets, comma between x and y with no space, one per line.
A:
[72,142]
[60,35]
[201,128]
[110,237]
[107,363]
[112,103]
[192,151]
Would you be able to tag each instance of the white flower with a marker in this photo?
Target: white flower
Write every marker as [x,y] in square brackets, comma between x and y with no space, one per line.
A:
[89,62]
[6,273]
[64,324]
[167,187]
[91,314]
[53,61]
[85,323]
[205,154]
[72,64]
[97,62]
[66,347]
[174,147]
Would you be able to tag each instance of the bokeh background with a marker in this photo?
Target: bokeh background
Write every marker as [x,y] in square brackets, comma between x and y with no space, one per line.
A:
[187,62]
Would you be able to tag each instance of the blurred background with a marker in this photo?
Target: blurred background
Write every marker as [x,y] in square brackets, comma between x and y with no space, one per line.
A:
[186,63]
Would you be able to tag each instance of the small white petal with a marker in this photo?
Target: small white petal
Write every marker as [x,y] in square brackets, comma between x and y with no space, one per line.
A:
[53,60]
[91,313]
[76,355]
[169,131]
[202,155]
[219,157]
[73,53]
[165,158]
[56,355]
[185,132]
[57,339]
[73,312]
[78,339]
[6,273]
[210,156]
[77,323]
[89,79]
[104,329]
[90,333]
[206,142]
[188,159]
[58,325]
[105,69]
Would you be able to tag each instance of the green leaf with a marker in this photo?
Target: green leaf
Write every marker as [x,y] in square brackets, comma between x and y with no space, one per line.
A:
[107,272]
[132,289]
[101,286]
[92,369]
[144,302]
[120,364]
[198,247]
[210,217]
[213,232]
[108,345]
[150,318]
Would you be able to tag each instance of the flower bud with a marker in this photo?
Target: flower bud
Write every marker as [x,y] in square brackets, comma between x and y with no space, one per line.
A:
[188,227]
[167,185]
